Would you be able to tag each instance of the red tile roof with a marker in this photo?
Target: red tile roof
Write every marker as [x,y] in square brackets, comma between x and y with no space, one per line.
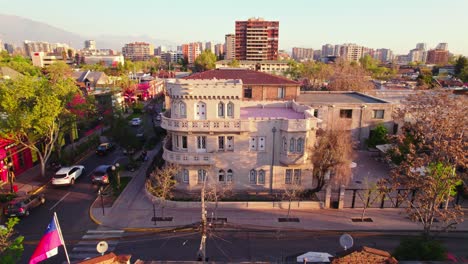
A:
[248,77]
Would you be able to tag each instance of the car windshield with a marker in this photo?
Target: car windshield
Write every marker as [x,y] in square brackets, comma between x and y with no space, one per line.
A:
[99,173]
[58,176]
[102,147]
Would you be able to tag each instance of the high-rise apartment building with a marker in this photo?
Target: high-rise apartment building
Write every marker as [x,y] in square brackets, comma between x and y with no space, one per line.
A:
[230,46]
[442,46]
[417,55]
[138,51]
[383,55]
[328,50]
[219,49]
[36,46]
[353,52]
[210,46]
[437,56]
[9,47]
[191,51]
[257,39]
[90,44]
[300,54]
[421,46]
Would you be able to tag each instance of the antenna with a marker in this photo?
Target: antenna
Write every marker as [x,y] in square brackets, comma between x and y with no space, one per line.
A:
[346,241]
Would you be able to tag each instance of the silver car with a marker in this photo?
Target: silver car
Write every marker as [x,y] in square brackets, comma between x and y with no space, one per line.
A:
[67,175]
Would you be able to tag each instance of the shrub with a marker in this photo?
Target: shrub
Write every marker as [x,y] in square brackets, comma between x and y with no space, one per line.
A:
[420,248]
[138,108]
[378,136]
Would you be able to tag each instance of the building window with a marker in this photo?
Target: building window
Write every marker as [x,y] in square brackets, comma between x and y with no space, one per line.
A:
[261,143]
[346,113]
[288,176]
[182,110]
[184,142]
[257,143]
[230,110]
[297,176]
[378,114]
[281,92]
[201,176]
[230,143]
[261,177]
[176,141]
[300,145]
[253,143]
[201,143]
[185,176]
[292,144]
[229,176]
[248,92]
[316,112]
[285,145]
[220,109]
[221,143]
[221,176]
[253,177]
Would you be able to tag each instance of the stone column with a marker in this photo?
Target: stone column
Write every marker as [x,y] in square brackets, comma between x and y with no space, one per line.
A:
[328,196]
[341,197]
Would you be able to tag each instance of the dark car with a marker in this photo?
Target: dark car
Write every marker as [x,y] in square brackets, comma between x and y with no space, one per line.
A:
[104,148]
[22,205]
[102,174]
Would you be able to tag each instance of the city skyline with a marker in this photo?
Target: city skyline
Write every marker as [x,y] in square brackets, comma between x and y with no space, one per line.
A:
[398,26]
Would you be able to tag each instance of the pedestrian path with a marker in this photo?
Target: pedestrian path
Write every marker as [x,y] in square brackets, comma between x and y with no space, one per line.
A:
[86,247]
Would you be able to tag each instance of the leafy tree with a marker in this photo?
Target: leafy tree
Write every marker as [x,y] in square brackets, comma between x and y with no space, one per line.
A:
[464,74]
[58,71]
[11,245]
[460,63]
[378,137]
[435,155]
[420,248]
[34,108]
[316,73]
[234,63]
[183,62]
[20,64]
[205,61]
[349,77]
[161,183]
[295,70]
[332,155]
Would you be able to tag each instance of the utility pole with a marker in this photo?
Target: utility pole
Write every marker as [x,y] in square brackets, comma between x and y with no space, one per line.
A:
[273,130]
[202,249]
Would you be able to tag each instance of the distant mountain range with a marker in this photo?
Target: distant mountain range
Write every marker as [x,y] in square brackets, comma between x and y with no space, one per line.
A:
[15,30]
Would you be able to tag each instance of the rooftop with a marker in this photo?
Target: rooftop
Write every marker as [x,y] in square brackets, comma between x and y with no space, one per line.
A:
[338,98]
[248,77]
[253,62]
[270,112]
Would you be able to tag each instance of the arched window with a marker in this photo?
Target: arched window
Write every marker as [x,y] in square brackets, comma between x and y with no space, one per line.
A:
[200,111]
[292,144]
[261,177]
[220,109]
[230,110]
[253,177]
[176,108]
[300,145]
[201,176]
[229,176]
[221,176]
[182,110]
[285,145]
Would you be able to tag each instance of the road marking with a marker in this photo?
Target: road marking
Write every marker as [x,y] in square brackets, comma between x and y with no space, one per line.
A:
[68,193]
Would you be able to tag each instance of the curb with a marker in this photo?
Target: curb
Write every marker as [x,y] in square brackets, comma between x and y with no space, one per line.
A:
[91,216]
[40,188]
[159,229]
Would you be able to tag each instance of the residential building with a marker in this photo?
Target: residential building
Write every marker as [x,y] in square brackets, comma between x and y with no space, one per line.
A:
[218,137]
[353,52]
[317,55]
[42,59]
[172,56]
[417,55]
[354,111]
[109,61]
[437,56]
[302,54]
[328,50]
[191,51]
[210,46]
[90,44]
[230,46]
[36,46]
[442,46]
[257,39]
[1,45]
[364,255]
[421,46]
[383,55]
[219,50]
[271,67]
[257,86]
[9,48]
[338,51]
[160,50]
[89,81]
[138,51]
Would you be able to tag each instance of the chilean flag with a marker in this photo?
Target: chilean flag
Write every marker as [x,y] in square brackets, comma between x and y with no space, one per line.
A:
[48,246]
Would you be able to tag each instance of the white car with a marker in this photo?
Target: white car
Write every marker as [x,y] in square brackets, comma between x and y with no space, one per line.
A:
[135,121]
[67,175]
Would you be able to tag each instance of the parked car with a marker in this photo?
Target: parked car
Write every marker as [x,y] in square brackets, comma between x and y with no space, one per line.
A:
[22,205]
[135,121]
[158,117]
[102,174]
[67,175]
[104,148]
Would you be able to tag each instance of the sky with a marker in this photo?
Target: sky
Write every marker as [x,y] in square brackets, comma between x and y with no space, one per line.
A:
[394,24]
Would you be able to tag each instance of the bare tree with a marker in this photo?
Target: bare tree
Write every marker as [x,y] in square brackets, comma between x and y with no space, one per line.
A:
[332,155]
[430,155]
[292,192]
[161,183]
[216,192]
[372,191]
[349,76]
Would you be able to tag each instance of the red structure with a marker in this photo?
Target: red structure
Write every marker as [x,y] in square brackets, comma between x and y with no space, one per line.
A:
[20,157]
[437,56]
[257,39]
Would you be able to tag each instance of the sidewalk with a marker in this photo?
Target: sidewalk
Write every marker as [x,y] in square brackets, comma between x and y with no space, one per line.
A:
[29,181]
[133,211]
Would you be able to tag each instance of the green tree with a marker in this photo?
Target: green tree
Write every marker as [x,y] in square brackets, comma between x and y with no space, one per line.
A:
[205,61]
[11,245]
[58,71]
[378,136]
[460,63]
[234,63]
[420,248]
[20,64]
[34,108]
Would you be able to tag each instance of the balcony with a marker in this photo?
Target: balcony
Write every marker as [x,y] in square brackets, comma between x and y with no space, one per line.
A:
[184,125]
[188,158]
[292,158]
[297,125]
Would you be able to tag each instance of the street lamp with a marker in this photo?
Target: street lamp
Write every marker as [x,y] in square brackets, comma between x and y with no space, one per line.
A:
[101,194]
[273,130]
[9,169]
[115,169]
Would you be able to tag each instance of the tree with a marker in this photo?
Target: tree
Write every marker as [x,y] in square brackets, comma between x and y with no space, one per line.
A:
[372,191]
[349,76]
[161,183]
[205,61]
[316,73]
[292,192]
[460,63]
[434,157]
[216,192]
[332,155]
[11,245]
[58,71]
[234,63]
[378,136]
[34,109]
[20,64]
[420,248]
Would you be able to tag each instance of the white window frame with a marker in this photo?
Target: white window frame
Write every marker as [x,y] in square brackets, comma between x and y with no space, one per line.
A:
[297,176]
[376,114]
[261,141]
[201,173]
[201,143]
[182,110]
[220,109]
[229,142]
[253,176]
[281,92]
[253,143]
[261,176]
[230,110]
[288,174]
[300,145]
[292,145]
[229,175]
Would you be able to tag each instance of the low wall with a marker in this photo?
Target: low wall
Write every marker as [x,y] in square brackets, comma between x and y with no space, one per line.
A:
[242,205]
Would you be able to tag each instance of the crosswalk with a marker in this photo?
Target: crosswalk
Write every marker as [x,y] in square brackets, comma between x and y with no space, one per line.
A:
[86,247]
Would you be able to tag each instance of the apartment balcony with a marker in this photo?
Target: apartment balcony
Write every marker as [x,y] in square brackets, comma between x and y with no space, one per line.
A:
[188,158]
[292,158]
[184,125]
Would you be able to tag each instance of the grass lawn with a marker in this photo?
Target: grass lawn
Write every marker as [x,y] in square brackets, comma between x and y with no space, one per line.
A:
[123,183]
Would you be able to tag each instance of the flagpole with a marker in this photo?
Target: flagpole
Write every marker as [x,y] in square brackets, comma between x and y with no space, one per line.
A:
[61,236]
